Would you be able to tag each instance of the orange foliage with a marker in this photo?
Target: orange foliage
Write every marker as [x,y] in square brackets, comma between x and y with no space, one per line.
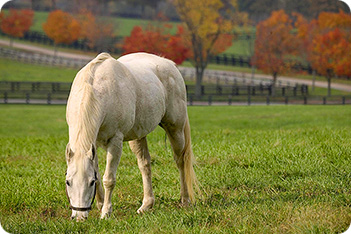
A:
[62,27]
[95,31]
[327,51]
[17,22]
[327,41]
[156,40]
[274,44]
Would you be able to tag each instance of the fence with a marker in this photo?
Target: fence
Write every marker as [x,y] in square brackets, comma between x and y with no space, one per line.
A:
[41,59]
[80,44]
[57,93]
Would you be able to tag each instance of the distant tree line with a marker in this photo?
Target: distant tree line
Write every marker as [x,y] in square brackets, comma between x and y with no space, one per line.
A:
[257,10]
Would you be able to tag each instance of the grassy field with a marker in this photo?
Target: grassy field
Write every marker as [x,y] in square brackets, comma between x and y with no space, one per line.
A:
[275,169]
[18,71]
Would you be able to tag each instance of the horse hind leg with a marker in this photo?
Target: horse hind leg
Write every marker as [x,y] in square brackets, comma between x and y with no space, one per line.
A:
[181,144]
[140,149]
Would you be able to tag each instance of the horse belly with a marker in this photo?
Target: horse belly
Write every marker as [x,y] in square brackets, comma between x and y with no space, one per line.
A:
[150,109]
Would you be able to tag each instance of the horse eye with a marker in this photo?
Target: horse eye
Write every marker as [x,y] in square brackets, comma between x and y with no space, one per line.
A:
[92,183]
[68,183]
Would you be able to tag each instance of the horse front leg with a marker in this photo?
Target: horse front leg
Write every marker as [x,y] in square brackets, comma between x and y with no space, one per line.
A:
[114,151]
[99,191]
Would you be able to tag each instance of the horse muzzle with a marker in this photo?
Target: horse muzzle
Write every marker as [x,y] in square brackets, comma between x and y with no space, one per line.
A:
[79,215]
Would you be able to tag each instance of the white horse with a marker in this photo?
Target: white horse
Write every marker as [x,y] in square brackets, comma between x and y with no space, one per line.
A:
[112,101]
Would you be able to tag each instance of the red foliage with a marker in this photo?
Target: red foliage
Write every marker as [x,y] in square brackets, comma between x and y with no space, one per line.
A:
[327,43]
[155,40]
[17,22]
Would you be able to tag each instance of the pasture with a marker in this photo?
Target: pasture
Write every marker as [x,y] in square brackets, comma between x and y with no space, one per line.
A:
[263,169]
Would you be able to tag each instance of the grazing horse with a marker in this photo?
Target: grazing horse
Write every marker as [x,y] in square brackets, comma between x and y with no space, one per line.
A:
[112,101]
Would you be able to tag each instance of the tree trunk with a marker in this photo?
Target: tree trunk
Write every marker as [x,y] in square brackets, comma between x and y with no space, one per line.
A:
[329,86]
[314,79]
[199,76]
[55,50]
[275,75]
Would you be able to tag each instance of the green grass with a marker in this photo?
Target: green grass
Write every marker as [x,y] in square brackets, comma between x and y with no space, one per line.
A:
[263,169]
[123,26]
[18,71]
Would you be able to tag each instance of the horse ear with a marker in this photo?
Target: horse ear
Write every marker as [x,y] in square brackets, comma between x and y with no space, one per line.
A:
[69,152]
[92,152]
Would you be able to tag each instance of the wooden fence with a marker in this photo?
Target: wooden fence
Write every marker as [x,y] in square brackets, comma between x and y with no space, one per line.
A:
[57,93]
[41,59]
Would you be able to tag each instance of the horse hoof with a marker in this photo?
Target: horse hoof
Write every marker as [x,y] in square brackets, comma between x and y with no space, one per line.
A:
[105,216]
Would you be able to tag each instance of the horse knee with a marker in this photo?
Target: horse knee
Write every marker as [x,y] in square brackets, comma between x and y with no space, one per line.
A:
[109,183]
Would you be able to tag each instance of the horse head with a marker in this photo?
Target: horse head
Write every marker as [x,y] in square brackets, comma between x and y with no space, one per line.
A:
[81,178]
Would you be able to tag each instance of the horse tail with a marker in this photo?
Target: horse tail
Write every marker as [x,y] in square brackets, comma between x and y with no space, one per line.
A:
[90,107]
[189,161]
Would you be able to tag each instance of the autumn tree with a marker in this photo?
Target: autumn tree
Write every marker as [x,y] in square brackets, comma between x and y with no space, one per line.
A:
[274,44]
[98,32]
[206,21]
[61,27]
[16,23]
[331,46]
[157,40]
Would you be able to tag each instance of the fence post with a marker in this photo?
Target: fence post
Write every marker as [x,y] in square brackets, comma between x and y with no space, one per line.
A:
[210,100]
[305,100]
[27,98]
[248,95]
[230,100]
[295,91]
[5,98]
[286,100]
[343,100]
[324,100]
[49,98]
[267,100]
[190,100]
[219,90]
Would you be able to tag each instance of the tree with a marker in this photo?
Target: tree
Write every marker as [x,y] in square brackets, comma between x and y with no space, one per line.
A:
[98,33]
[331,44]
[16,23]
[206,21]
[61,27]
[157,40]
[274,44]
[325,43]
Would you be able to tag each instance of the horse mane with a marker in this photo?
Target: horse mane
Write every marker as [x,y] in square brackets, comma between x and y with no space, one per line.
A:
[89,108]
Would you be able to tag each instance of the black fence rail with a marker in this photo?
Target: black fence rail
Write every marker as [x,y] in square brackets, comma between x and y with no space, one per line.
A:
[12,91]
[267,100]
[58,92]
[250,90]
